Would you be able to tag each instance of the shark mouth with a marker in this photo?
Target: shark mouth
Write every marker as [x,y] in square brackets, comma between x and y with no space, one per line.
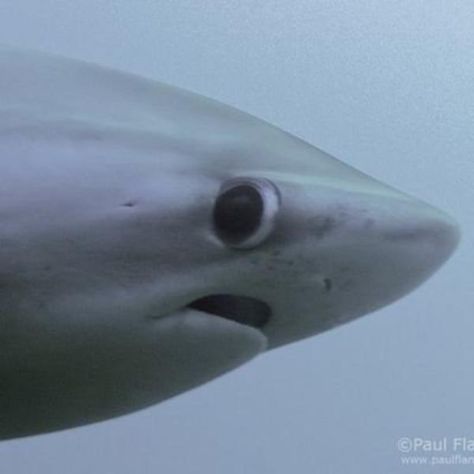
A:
[241,309]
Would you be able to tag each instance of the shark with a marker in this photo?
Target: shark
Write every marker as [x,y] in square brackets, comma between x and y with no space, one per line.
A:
[152,239]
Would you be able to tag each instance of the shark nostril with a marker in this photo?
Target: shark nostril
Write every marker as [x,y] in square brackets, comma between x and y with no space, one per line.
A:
[242,309]
[327,284]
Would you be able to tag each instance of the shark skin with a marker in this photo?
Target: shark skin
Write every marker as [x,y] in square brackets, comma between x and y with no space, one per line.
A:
[152,239]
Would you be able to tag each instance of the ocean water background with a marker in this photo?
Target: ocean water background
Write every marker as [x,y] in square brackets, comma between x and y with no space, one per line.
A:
[387,87]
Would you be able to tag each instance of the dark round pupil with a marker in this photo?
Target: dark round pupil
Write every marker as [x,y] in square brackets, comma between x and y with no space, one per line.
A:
[238,213]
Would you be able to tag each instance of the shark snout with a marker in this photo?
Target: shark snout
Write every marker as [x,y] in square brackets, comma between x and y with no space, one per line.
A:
[421,234]
[400,244]
[368,250]
[359,246]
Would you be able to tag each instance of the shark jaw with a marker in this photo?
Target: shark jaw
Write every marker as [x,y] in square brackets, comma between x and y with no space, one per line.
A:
[241,309]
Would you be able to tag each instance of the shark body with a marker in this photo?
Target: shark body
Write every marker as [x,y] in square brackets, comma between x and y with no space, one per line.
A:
[152,239]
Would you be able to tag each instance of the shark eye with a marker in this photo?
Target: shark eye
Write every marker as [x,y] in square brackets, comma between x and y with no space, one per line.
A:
[245,210]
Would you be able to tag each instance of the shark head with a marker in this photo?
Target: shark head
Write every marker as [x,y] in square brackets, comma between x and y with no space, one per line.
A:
[153,239]
[316,249]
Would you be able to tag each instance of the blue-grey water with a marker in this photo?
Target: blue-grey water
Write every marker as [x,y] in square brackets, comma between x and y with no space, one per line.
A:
[387,87]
